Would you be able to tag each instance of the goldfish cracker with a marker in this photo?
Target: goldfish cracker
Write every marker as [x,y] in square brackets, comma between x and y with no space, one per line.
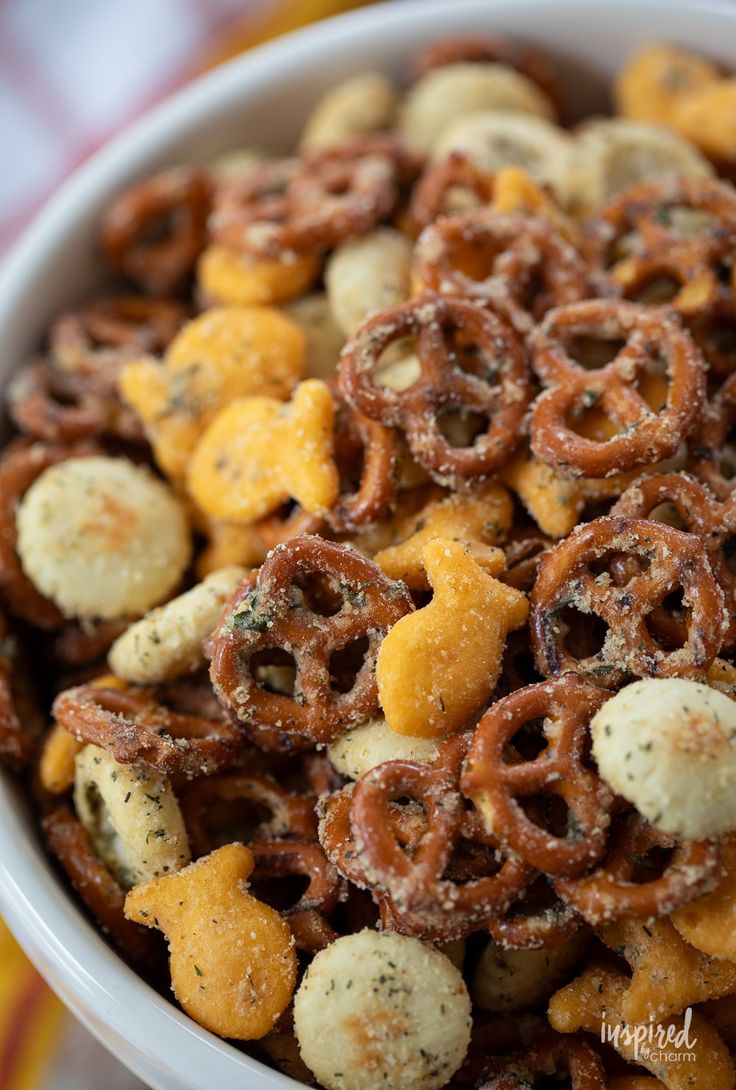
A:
[225,353]
[454,90]
[56,763]
[324,338]
[228,544]
[258,453]
[438,666]
[593,1003]
[231,957]
[368,274]
[495,139]
[481,517]
[364,104]
[668,745]
[131,816]
[225,276]
[102,537]
[377,1009]
[707,117]
[368,745]
[669,975]
[167,642]
[553,501]
[709,923]
[516,191]
[657,78]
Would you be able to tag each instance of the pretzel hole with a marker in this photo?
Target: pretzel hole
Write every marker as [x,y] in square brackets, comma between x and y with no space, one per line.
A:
[649,864]
[274,670]
[583,634]
[319,593]
[654,289]
[668,513]
[346,663]
[728,550]
[716,336]
[593,353]
[473,258]
[160,229]
[241,819]
[527,743]
[281,891]
[398,367]
[549,811]
[668,623]
[461,427]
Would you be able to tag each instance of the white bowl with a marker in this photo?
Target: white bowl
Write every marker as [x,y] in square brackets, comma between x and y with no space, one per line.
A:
[259,99]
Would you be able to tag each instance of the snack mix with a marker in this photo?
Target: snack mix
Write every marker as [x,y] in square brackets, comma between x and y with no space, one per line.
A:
[368,583]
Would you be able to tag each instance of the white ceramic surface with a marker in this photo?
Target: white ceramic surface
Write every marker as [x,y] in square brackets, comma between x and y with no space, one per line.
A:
[259,99]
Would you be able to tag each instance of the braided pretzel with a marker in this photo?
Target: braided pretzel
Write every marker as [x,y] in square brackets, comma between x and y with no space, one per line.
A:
[699,514]
[306,859]
[628,885]
[97,338]
[173,728]
[554,1055]
[497,773]
[538,920]
[493,49]
[104,897]
[670,558]
[177,200]
[692,260]
[486,376]
[59,407]
[644,435]
[431,857]
[517,265]
[712,454]
[358,603]
[22,462]
[450,186]
[289,813]
[315,203]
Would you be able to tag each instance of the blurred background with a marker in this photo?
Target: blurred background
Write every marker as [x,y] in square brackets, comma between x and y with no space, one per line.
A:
[73,73]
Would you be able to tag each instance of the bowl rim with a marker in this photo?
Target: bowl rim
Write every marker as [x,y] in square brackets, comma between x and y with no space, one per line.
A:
[43,916]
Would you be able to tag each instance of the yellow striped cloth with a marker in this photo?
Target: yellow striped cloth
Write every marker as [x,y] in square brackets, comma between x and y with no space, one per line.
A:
[41,1048]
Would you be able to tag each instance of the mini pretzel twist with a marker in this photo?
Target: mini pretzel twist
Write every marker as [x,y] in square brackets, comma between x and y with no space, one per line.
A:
[276,614]
[178,200]
[517,265]
[375,449]
[315,203]
[99,890]
[693,259]
[644,435]
[497,775]
[173,727]
[431,856]
[711,453]
[628,885]
[302,859]
[97,338]
[470,362]
[571,1057]
[699,513]
[539,919]
[457,175]
[56,406]
[22,462]
[670,559]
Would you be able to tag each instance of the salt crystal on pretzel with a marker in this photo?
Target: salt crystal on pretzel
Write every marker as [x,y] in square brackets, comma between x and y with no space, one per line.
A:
[167,642]
[231,957]
[438,666]
[131,816]
[258,453]
[102,537]
[379,1009]
[668,745]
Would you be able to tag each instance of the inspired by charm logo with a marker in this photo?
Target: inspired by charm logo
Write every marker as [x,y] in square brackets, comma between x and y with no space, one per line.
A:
[653,1041]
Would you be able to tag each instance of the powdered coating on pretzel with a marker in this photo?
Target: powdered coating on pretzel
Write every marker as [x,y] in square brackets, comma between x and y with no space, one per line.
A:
[352,606]
[492,383]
